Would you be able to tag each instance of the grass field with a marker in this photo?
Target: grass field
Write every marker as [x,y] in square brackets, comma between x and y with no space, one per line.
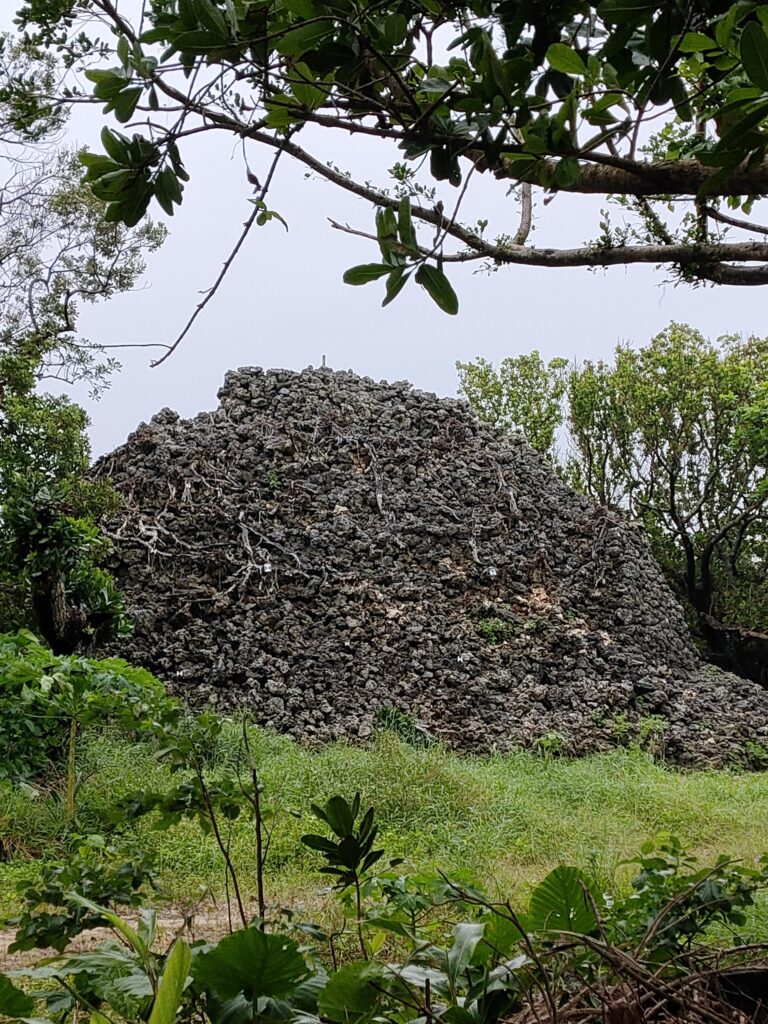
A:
[506,820]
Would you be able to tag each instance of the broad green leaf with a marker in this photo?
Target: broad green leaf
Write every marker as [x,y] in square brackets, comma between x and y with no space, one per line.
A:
[109,186]
[282,111]
[696,42]
[350,994]
[567,172]
[386,232]
[466,937]
[171,984]
[395,284]
[123,50]
[459,1015]
[395,29]
[251,963]
[439,288]
[125,103]
[361,274]
[115,145]
[172,185]
[680,98]
[501,934]
[210,16]
[417,975]
[559,903]
[196,41]
[563,58]
[618,12]
[13,1002]
[97,164]
[753,49]
[752,118]
[725,26]
[132,937]
[714,181]
[156,35]
[301,8]
[167,190]
[405,224]
[302,39]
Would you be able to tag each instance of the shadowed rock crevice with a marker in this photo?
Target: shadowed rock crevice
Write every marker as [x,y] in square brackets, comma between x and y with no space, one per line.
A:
[322,546]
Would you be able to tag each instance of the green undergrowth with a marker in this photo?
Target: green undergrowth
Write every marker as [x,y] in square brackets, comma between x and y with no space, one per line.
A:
[505,820]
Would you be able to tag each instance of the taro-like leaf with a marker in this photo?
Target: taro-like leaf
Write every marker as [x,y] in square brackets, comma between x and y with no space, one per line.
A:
[253,964]
[560,903]
[14,1003]
[351,994]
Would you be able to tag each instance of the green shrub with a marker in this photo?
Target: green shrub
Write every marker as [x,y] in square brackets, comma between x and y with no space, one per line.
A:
[45,700]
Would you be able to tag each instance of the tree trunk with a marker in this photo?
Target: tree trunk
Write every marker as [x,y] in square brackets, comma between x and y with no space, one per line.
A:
[738,650]
[61,626]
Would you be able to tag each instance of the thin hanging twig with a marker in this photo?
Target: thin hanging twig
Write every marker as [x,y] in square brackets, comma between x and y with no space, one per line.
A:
[228,262]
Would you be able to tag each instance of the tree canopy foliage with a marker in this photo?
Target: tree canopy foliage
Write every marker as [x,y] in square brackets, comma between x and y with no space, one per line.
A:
[525,394]
[674,434]
[661,106]
[56,252]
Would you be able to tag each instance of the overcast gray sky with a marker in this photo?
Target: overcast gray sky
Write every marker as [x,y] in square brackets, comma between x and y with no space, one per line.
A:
[284,303]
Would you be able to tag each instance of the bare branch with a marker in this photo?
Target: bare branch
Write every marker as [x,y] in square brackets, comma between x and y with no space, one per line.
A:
[526,214]
[228,262]
[642,178]
[735,222]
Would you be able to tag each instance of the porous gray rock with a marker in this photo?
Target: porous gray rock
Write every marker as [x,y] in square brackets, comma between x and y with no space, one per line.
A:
[322,546]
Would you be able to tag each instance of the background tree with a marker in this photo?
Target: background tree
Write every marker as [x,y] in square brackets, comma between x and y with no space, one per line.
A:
[674,434]
[524,394]
[661,105]
[56,252]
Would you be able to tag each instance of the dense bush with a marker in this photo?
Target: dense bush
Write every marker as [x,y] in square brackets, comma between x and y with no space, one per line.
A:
[46,699]
[431,949]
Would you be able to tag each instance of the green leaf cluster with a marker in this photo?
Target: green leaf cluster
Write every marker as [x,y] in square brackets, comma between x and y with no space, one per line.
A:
[401,258]
[41,695]
[673,436]
[478,970]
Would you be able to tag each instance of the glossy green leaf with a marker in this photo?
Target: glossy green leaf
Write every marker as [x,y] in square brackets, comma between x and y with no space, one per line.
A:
[395,284]
[563,58]
[115,145]
[13,1002]
[360,275]
[434,281]
[752,118]
[125,103]
[299,41]
[696,42]
[211,17]
[251,963]
[171,984]
[619,12]
[350,995]
[567,172]
[560,903]
[123,51]
[753,49]
[466,937]
[405,224]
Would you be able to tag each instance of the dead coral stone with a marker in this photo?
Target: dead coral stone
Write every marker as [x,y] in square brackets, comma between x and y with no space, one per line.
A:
[323,546]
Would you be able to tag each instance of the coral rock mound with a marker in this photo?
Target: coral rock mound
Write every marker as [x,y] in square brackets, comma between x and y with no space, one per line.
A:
[322,547]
